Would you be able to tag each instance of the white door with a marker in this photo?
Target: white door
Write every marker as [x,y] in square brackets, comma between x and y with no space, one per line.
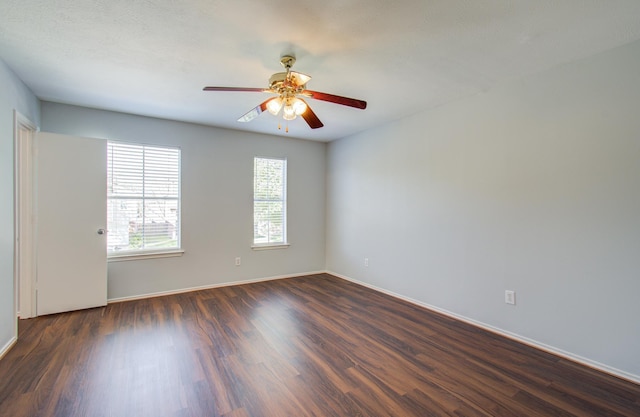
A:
[71,200]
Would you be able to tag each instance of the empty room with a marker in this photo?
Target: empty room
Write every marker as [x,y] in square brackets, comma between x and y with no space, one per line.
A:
[338,208]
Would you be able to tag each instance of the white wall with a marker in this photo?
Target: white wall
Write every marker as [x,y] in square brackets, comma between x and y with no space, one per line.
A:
[217,187]
[532,187]
[13,95]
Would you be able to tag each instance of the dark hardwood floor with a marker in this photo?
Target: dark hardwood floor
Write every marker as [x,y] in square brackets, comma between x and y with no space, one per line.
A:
[308,346]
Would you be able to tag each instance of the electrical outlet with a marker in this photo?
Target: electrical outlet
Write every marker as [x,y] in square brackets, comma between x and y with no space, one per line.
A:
[510,297]
[238,261]
[366,261]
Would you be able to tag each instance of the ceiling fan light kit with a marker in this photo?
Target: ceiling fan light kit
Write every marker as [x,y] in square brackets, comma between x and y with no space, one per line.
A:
[288,86]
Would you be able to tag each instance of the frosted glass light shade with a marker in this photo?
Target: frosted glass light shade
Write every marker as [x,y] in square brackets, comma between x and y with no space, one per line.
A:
[289,112]
[299,106]
[274,106]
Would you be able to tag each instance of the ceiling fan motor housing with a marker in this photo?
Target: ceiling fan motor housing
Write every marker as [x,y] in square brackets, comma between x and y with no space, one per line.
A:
[277,80]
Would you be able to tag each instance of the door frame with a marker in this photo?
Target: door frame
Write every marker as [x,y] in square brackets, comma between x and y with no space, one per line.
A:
[24,268]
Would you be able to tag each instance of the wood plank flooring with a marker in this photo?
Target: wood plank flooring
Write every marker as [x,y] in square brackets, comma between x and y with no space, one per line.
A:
[308,346]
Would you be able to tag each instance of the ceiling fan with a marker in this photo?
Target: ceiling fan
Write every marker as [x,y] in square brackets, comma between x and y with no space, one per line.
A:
[290,88]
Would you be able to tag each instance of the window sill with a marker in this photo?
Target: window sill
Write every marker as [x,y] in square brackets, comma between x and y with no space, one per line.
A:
[270,246]
[145,255]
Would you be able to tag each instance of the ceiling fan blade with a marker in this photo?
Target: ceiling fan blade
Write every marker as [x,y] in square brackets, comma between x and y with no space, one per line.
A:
[299,78]
[310,117]
[255,112]
[245,89]
[345,101]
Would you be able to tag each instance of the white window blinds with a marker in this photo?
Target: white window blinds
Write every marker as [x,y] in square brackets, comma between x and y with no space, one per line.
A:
[270,201]
[143,198]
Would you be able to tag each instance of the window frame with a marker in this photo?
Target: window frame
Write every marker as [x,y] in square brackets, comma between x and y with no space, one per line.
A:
[284,243]
[115,256]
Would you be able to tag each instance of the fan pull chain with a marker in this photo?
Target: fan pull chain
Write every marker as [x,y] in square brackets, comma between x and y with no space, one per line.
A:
[286,127]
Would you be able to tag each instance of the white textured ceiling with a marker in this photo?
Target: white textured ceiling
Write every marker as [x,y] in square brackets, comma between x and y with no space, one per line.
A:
[153,57]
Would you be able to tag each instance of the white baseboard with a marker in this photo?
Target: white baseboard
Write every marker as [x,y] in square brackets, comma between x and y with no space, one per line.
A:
[518,338]
[7,347]
[209,286]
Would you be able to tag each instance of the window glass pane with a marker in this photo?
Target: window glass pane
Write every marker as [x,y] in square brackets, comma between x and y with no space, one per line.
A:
[260,222]
[125,170]
[123,218]
[159,228]
[161,172]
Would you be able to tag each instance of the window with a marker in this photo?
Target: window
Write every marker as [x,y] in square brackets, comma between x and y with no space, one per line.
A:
[269,202]
[143,198]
